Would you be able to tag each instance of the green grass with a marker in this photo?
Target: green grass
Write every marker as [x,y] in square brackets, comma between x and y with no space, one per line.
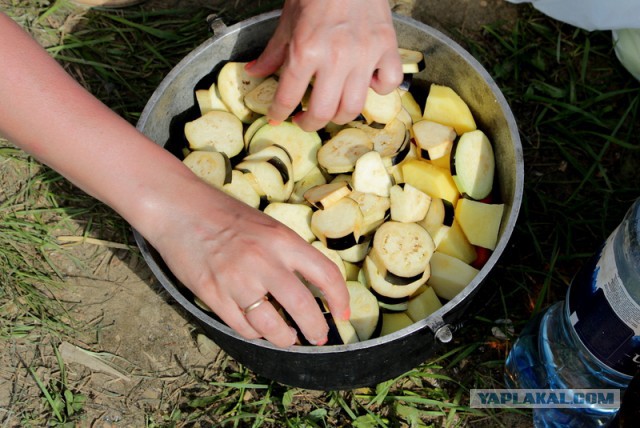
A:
[578,114]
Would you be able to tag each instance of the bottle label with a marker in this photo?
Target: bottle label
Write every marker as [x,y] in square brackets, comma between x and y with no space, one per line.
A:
[605,317]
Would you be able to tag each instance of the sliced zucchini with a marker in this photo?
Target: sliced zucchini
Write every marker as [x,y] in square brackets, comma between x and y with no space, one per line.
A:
[370,175]
[340,153]
[381,108]
[241,188]
[301,145]
[404,249]
[324,195]
[313,178]
[234,83]
[260,98]
[365,312]
[339,225]
[433,139]
[408,204]
[297,217]
[216,130]
[212,167]
[474,165]
[269,178]
[375,277]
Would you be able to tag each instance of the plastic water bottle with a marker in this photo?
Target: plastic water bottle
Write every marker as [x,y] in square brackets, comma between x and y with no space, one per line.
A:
[591,340]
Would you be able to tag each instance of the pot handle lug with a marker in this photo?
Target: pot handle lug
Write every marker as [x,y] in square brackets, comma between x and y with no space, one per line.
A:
[441,330]
[216,24]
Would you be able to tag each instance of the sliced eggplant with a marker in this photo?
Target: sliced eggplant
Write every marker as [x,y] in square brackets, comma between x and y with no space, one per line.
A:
[375,209]
[356,253]
[339,154]
[213,167]
[339,225]
[375,277]
[234,83]
[370,175]
[278,157]
[404,249]
[388,140]
[297,217]
[269,178]
[313,178]
[260,98]
[474,164]
[253,128]
[241,188]
[216,130]
[412,60]
[325,195]
[381,108]
[433,139]
[365,312]
[301,145]
[408,204]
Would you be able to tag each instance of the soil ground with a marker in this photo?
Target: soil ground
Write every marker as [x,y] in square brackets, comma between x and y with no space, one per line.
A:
[155,351]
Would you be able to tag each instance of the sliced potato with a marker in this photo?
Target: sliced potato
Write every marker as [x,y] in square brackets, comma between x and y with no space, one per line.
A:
[444,105]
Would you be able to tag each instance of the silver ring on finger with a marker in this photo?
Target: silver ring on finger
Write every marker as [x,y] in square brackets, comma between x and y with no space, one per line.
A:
[255,304]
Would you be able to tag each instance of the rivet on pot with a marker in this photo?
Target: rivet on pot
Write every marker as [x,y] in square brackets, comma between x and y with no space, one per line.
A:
[444,334]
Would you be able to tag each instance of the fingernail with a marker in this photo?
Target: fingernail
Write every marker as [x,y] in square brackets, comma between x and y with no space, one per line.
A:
[274,122]
[320,342]
[250,64]
[347,314]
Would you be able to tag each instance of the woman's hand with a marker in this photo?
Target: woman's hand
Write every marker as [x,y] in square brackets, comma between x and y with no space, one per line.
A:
[346,46]
[231,255]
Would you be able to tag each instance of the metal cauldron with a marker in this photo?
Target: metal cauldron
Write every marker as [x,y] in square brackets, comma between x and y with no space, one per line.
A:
[376,360]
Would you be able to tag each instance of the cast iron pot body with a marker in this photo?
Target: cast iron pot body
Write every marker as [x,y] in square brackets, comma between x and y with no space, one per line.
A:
[373,361]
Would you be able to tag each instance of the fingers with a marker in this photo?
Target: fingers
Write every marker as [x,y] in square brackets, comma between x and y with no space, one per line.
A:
[388,75]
